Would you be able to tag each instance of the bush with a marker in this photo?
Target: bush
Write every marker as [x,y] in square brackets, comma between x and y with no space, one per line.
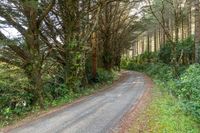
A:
[160,71]
[105,75]
[188,89]
[132,65]
[184,52]
[15,98]
[164,115]
[165,53]
[140,62]
[16,101]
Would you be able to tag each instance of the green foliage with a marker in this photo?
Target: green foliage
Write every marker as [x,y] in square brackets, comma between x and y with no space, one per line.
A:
[17,101]
[105,75]
[188,89]
[165,115]
[76,64]
[184,51]
[160,71]
[147,57]
[15,97]
[140,62]
[165,53]
[131,64]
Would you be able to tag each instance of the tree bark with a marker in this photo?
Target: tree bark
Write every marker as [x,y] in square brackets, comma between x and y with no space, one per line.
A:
[189,19]
[197,30]
[155,40]
[94,56]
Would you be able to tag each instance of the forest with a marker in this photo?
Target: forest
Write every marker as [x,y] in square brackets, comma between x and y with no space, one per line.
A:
[53,52]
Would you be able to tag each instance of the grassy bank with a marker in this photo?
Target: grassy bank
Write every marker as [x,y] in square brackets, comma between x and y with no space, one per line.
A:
[164,115]
[175,107]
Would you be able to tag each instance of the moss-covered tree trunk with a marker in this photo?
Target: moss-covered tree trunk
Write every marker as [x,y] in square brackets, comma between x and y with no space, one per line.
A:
[33,68]
[34,64]
[94,56]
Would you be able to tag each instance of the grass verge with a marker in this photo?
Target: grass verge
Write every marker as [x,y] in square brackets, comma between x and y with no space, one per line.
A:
[164,115]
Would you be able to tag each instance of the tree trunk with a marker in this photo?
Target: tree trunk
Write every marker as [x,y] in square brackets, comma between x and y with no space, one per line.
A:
[182,28]
[164,36]
[172,29]
[137,47]
[94,56]
[148,46]
[155,40]
[142,45]
[182,25]
[37,85]
[148,43]
[133,49]
[189,19]
[71,30]
[159,34]
[197,30]
[33,67]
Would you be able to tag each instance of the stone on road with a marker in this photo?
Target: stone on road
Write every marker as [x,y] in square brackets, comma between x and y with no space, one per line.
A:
[99,113]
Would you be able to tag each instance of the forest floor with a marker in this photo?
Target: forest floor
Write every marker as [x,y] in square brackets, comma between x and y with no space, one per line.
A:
[111,110]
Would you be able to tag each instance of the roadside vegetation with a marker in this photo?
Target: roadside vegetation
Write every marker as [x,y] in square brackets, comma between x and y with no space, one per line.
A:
[164,114]
[168,51]
[55,51]
[175,105]
[17,103]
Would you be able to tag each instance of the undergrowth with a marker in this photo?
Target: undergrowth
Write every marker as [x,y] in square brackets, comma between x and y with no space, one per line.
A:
[16,101]
[177,108]
[164,115]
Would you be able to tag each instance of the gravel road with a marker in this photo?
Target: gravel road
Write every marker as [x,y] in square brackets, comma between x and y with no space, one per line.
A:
[99,113]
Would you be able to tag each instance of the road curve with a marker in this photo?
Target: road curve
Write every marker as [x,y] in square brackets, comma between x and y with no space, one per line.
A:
[99,113]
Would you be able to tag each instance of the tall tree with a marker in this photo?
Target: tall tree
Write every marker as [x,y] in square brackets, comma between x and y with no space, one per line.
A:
[27,17]
[197,30]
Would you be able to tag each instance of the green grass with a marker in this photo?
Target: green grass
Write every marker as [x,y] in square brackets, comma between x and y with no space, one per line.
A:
[164,115]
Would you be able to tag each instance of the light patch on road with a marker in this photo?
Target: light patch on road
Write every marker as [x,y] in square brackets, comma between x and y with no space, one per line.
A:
[119,95]
[137,82]
[134,82]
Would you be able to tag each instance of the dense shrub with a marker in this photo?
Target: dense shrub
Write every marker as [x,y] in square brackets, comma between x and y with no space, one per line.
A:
[160,71]
[147,57]
[140,62]
[184,51]
[15,97]
[16,100]
[105,75]
[164,115]
[132,65]
[188,89]
[165,53]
